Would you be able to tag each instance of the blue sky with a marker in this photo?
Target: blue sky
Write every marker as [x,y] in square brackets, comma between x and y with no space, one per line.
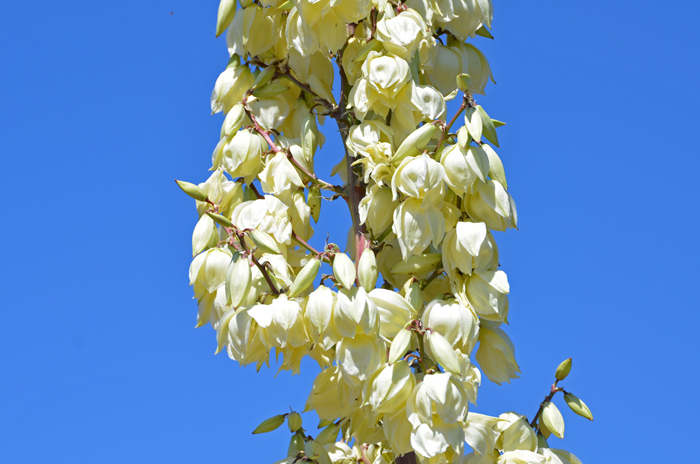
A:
[105,103]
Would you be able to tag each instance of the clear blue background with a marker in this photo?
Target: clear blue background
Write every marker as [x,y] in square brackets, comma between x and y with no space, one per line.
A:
[103,104]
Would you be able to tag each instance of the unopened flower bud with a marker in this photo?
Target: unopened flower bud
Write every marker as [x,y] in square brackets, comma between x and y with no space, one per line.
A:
[264,77]
[235,119]
[463,81]
[192,190]
[400,346]
[309,136]
[227,11]
[219,219]
[552,419]
[270,90]
[413,293]
[305,278]
[344,270]
[328,435]
[443,353]
[371,46]
[270,424]
[578,406]
[314,201]
[367,270]
[414,143]
[563,369]
[296,444]
[294,421]
[264,242]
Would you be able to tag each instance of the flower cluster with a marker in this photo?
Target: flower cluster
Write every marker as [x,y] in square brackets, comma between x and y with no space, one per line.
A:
[397,375]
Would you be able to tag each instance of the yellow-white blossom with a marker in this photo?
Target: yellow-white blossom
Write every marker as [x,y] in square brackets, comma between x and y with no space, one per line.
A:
[267,215]
[496,354]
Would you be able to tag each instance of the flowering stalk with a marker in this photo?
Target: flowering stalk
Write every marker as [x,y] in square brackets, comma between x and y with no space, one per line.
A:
[398,356]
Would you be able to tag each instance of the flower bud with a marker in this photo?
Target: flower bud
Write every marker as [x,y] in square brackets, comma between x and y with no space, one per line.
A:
[414,143]
[314,201]
[413,294]
[552,419]
[270,90]
[296,444]
[219,219]
[315,451]
[309,136]
[204,236]
[400,346]
[270,424]
[192,190]
[263,241]
[367,270]
[344,270]
[305,278]
[388,389]
[294,421]
[463,81]
[235,119]
[443,353]
[488,129]
[473,123]
[328,435]
[578,406]
[418,264]
[227,11]
[563,369]
[371,46]
[238,279]
[264,77]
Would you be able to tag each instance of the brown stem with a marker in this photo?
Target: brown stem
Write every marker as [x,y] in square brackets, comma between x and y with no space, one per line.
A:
[265,134]
[306,88]
[547,399]
[446,131]
[262,269]
[322,183]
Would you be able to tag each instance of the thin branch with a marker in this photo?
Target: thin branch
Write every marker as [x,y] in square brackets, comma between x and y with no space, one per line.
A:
[322,183]
[306,88]
[262,268]
[547,399]
[447,128]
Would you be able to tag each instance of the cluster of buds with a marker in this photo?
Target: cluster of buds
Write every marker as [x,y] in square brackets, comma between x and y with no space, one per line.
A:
[396,365]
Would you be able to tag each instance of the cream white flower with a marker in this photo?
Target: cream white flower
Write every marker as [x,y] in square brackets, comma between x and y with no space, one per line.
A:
[454,321]
[279,175]
[230,87]
[496,354]
[492,204]
[389,387]
[242,156]
[416,228]
[402,34]
[267,215]
[464,166]
[420,177]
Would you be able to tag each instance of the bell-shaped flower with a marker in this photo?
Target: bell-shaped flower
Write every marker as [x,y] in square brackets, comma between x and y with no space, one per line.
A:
[272,111]
[454,321]
[475,64]
[376,209]
[446,65]
[355,313]
[315,70]
[267,215]
[515,433]
[559,456]
[371,143]
[389,387]
[458,244]
[334,394]
[414,104]
[318,314]
[487,293]
[402,34]
[464,166]
[209,269]
[279,175]
[281,322]
[492,204]
[384,76]
[496,354]
[394,311]
[480,432]
[416,228]
[230,87]
[437,409]
[522,457]
[254,30]
[420,177]
[359,357]
[242,155]
[463,17]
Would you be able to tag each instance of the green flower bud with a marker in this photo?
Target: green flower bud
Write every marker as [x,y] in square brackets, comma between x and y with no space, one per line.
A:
[309,136]
[418,264]
[542,442]
[488,129]
[552,419]
[305,278]
[371,46]
[328,435]
[227,11]
[296,444]
[563,369]
[344,270]
[324,423]
[294,421]
[264,77]
[474,123]
[286,6]
[264,242]
[414,143]
[235,119]
[269,90]
[219,219]
[270,424]
[192,190]
[367,270]
[443,353]
[413,294]
[314,201]
[463,81]
[400,346]
[578,406]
